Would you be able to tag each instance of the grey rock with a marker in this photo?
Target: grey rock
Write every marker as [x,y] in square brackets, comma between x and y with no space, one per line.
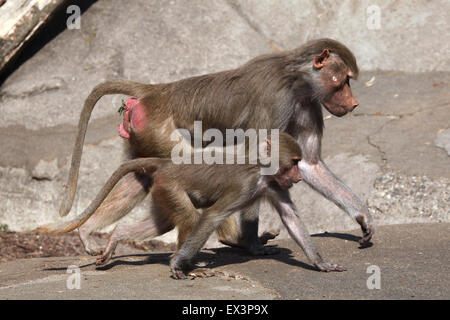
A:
[443,140]
[45,170]
[385,150]
[398,198]
[150,41]
[406,30]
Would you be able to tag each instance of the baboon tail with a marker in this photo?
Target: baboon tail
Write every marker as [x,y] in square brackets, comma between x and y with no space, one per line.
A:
[140,165]
[109,87]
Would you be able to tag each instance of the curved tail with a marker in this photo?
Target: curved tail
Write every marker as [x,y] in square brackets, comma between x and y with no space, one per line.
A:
[140,165]
[109,87]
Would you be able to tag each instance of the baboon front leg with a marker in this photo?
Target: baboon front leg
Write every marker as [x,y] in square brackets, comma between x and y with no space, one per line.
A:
[299,233]
[210,219]
[176,205]
[320,178]
[131,190]
[182,260]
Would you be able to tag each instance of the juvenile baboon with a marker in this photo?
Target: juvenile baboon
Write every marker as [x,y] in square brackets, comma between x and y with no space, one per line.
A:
[179,191]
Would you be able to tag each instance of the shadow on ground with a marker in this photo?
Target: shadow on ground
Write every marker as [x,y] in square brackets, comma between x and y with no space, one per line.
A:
[218,257]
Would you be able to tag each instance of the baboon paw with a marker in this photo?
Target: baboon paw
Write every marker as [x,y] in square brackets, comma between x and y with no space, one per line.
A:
[268,235]
[94,252]
[329,267]
[178,274]
[179,267]
[368,233]
[104,259]
[368,229]
[101,261]
[89,245]
[201,273]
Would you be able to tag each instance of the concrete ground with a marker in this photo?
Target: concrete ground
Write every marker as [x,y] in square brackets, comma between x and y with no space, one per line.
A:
[413,262]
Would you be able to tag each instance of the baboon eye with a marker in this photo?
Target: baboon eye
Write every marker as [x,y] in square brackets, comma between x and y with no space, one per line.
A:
[343,83]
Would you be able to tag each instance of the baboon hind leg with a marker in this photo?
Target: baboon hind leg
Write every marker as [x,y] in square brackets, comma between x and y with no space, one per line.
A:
[176,204]
[155,225]
[130,191]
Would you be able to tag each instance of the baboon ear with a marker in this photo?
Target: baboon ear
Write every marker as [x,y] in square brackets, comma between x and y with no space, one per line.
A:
[264,148]
[269,146]
[321,59]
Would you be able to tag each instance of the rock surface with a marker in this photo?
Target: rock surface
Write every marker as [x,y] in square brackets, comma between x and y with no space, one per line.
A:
[390,151]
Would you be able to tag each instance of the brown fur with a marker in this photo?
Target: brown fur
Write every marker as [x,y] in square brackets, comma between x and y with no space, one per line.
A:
[281,90]
[180,190]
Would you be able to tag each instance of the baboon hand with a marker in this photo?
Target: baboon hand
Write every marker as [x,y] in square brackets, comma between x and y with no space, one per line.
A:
[179,268]
[178,274]
[367,227]
[328,267]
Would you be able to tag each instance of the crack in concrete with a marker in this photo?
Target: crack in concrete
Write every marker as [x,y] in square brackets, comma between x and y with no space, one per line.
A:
[399,116]
[380,151]
[232,275]
[51,278]
[254,25]
[116,63]
[393,117]
[248,19]
[386,115]
[45,87]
